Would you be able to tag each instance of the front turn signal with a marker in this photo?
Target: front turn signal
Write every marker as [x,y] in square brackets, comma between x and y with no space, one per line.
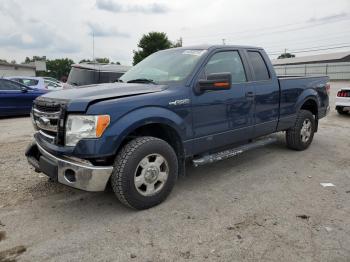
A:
[102,123]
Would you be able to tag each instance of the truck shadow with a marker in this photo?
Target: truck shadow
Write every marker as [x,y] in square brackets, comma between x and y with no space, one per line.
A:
[76,201]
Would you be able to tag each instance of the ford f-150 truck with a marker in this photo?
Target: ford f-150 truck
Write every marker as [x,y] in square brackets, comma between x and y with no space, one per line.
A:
[200,104]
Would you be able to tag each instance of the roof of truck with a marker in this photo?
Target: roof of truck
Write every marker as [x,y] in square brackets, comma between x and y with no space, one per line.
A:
[206,47]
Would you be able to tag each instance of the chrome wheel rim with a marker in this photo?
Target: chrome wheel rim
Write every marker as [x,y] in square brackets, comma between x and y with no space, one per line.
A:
[306,129]
[151,174]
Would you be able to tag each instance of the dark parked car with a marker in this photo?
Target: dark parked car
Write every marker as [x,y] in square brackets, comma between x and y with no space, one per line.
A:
[88,74]
[16,98]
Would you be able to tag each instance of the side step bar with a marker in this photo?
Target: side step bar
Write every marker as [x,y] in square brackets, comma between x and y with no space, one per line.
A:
[207,159]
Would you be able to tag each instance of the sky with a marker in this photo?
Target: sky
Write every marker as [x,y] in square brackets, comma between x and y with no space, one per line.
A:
[64,28]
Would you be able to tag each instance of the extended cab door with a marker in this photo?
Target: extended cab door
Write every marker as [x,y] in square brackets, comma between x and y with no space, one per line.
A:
[222,117]
[266,91]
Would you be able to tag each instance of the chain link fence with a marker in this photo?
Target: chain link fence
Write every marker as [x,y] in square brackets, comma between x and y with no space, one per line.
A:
[335,71]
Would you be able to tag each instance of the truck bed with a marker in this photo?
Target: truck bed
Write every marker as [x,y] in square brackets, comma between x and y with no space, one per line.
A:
[294,89]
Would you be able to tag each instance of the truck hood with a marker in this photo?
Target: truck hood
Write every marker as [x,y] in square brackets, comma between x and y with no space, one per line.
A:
[78,99]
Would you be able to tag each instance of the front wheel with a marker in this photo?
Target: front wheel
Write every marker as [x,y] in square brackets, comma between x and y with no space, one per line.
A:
[301,135]
[145,171]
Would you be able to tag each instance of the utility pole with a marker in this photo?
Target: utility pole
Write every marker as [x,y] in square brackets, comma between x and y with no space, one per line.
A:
[224,41]
[93,46]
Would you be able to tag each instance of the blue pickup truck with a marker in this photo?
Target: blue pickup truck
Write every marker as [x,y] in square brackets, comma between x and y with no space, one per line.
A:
[199,104]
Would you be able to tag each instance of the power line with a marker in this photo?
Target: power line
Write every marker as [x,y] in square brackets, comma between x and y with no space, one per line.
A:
[312,50]
[273,32]
[312,38]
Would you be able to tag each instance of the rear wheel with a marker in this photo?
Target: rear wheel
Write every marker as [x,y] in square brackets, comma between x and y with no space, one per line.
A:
[301,135]
[145,172]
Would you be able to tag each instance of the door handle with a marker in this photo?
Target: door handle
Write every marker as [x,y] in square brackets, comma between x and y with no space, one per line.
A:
[249,95]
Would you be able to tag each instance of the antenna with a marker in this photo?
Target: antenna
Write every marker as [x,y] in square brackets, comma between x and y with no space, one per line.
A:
[93,46]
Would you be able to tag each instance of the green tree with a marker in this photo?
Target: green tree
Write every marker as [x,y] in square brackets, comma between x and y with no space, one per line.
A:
[150,43]
[27,60]
[59,68]
[85,61]
[285,55]
[3,61]
[102,60]
[178,43]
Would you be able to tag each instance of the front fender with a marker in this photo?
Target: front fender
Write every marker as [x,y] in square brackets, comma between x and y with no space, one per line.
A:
[143,116]
[109,143]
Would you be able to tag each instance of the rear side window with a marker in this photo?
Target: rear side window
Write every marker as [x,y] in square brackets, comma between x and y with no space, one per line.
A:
[28,82]
[81,76]
[259,67]
[227,62]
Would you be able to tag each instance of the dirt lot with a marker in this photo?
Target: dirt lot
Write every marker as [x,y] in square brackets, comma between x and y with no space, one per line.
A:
[264,205]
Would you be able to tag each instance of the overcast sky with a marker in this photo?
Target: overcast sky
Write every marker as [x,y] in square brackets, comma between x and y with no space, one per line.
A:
[63,28]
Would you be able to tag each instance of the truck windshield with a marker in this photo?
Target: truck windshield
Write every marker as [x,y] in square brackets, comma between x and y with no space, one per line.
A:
[172,65]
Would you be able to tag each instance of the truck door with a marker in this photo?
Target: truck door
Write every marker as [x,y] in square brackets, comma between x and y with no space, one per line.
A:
[266,91]
[223,117]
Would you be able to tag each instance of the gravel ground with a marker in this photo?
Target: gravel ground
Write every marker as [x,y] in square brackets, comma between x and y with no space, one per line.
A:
[264,205]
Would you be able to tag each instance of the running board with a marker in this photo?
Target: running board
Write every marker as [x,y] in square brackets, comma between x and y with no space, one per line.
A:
[207,159]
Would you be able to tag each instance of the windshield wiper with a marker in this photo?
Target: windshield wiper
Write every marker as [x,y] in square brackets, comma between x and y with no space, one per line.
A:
[142,80]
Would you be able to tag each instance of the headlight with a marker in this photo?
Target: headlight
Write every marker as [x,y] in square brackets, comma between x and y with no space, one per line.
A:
[85,126]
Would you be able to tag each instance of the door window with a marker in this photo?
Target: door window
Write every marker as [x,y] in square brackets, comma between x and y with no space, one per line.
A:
[9,85]
[259,66]
[227,62]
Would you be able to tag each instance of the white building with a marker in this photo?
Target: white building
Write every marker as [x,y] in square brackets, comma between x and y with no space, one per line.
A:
[334,65]
[7,69]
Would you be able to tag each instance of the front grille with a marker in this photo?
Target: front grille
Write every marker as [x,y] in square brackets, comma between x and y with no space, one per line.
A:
[48,117]
[48,108]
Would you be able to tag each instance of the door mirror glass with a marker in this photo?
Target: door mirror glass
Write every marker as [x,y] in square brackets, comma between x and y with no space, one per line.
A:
[215,81]
[24,89]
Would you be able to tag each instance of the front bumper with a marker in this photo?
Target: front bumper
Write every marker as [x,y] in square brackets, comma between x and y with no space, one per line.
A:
[72,172]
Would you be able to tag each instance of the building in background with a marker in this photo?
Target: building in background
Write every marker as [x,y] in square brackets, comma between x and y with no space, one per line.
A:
[7,69]
[28,69]
[40,65]
[334,65]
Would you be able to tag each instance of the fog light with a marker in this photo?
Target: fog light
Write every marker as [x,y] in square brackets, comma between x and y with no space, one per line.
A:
[69,174]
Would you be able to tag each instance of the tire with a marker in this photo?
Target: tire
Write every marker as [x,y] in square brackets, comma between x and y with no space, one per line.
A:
[142,162]
[341,111]
[296,137]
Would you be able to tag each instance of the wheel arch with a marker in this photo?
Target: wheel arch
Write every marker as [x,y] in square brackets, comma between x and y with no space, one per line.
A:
[156,122]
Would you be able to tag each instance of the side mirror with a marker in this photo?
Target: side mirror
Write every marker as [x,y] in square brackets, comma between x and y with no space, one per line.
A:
[216,81]
[24,89]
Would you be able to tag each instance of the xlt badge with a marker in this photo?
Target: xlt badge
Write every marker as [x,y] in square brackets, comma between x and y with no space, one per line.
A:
[180,102]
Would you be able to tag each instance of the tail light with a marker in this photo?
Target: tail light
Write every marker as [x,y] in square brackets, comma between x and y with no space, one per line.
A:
[328,88]
[343,93]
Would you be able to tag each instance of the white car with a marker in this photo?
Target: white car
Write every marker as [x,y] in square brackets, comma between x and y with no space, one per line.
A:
[342,101]
[53,85]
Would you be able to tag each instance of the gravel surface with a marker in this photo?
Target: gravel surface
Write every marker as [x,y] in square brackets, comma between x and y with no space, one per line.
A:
[264,205]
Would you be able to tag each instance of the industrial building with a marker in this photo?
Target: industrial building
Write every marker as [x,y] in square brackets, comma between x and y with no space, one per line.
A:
[334,65]
[7,69]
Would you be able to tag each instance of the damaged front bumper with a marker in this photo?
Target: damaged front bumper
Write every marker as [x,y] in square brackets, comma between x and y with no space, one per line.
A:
[77,173]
